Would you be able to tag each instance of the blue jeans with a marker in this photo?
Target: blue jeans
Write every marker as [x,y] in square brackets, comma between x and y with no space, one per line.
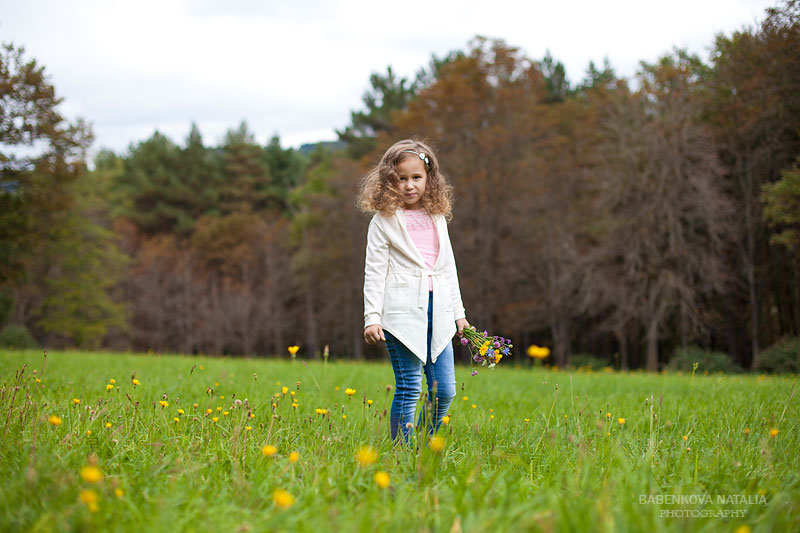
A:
[440,376]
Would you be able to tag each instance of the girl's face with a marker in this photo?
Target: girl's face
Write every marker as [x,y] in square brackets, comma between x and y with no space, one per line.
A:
[413,178]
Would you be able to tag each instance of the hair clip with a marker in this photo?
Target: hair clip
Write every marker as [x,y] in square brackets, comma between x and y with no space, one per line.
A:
[421,156]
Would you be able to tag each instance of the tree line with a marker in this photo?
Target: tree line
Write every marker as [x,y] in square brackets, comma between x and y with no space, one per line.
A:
[618,216]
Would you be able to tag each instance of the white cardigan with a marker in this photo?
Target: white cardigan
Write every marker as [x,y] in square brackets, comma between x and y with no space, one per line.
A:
[396,286]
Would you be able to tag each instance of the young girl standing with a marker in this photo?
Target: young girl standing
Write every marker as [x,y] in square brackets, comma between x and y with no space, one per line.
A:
[412,298]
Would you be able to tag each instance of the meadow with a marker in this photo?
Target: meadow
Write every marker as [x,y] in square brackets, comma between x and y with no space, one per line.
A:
[125,442]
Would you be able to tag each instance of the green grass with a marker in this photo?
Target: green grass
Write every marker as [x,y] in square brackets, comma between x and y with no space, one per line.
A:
[569,468]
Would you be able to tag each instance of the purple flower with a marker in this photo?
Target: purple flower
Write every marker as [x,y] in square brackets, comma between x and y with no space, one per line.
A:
[485,334]
[464,341]
[496,344]
[476,358]
[474,372]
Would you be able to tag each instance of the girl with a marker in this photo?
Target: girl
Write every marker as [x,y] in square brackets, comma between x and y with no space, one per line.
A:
[411,295]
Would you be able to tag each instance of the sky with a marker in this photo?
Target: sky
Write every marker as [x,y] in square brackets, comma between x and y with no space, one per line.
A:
[297,68]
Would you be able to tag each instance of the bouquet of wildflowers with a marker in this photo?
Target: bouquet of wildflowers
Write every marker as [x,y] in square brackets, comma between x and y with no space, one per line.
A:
[485,349]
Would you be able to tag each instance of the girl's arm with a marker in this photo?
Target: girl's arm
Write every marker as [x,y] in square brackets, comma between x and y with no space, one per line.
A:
[376,268]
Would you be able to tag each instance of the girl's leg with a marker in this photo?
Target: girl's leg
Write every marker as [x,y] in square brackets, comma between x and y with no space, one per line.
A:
[442,375]
[441,379]
[408,385]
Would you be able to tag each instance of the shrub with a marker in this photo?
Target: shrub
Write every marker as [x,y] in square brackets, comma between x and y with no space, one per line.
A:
[17,337]
[581,360]
[783,356]
[707,360]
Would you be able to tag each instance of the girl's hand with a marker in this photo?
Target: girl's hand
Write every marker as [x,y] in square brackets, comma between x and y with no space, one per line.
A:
[373,334]
[461,323]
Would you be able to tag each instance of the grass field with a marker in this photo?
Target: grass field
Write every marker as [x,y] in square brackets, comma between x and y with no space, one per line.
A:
[216,444]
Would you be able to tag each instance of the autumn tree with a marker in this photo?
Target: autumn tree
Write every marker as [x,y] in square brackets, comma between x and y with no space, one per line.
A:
[665,224]
[40,154]
[754,107]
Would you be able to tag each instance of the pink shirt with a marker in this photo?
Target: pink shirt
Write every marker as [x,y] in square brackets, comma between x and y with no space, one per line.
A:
[423,232]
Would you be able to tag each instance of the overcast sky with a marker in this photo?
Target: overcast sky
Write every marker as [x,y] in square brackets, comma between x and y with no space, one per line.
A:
[297,68]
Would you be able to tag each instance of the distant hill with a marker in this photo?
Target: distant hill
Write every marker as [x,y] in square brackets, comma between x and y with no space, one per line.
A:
[333,146]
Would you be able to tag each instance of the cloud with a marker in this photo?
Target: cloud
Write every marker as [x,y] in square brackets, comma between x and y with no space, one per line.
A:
[299,68]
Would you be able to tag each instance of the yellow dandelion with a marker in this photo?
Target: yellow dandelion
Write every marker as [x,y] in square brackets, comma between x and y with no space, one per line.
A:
[109,386]
[248,428]
[294,404]
[293,457]
[322,411]
[269,450]
[538,352]
[76,401]
[282,499]
[370,402]
[284,389]
[773,432]
[344,417]
[744,528]
[293,350]
[746,432]
[608,415]
[54,420]
[349,391]
[195,405]
[108,425]
[181,411]
[38,380]
[176,419]
[685,437]
[527,419]
[90,498]
[382,479]
[119,493]
[252,415]
[88,431]
[163,403]
[291,393]
[474,406]
[445,420]
[437,444]
[135,382]
[621,421]
[209,411]
[112,381]
[225,413]
[491,417]
[91,474]
[214,419]
[219,409]
[366,456]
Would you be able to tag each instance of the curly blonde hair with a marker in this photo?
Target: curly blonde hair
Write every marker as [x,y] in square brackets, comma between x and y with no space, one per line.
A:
[379,191]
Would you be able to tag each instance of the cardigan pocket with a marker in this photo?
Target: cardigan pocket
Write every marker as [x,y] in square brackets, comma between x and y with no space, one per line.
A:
[445,286]
[397,298]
